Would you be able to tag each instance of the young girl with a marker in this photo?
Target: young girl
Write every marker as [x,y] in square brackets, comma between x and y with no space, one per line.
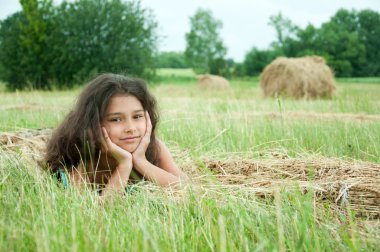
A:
[109,138]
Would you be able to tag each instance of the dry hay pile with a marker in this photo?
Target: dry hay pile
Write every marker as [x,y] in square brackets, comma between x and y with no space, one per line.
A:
[30,144]
[356,184]
[209,81]
[306,77]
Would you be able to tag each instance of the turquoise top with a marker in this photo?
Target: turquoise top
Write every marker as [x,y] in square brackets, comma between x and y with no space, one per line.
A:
[63,177]
[128,189]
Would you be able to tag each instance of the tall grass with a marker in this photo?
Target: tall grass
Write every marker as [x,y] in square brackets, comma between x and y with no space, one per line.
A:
[36,214]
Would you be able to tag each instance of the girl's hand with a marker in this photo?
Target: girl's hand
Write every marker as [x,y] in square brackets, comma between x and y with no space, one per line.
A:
[122,156]
[139,153]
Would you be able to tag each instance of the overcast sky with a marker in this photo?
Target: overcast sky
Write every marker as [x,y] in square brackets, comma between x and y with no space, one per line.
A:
[245,22]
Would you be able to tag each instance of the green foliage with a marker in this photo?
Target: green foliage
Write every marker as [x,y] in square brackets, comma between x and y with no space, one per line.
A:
[256,60]
[342,43]
[66,44]
[171,60]
[10,55]
[284,29]
[205,51]
[348,41]
[369,34]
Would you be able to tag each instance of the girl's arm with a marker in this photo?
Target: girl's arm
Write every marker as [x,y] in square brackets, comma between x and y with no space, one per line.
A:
[168,173]
[120,175]
[116,183]
[118,180]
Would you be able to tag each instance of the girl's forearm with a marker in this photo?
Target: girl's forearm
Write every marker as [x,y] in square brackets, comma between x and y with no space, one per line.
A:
[156,174]
[118,180]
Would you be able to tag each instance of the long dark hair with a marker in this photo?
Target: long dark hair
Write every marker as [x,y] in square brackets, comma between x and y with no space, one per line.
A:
[78,138]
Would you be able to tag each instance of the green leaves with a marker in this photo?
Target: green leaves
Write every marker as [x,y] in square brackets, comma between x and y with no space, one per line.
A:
[348,41]
[48,46]
[205,50]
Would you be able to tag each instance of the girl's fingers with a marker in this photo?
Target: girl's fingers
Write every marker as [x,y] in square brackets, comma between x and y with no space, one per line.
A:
[148,125]
[115,150]
[106,141]
[105,133]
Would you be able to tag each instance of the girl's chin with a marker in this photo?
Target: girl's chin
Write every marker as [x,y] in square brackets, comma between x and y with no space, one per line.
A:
[129,147]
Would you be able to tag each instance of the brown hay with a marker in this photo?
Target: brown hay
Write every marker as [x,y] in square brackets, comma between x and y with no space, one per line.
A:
[355,184]
[288,115]
[345,184]
[29,144]
[209,81]
[306,77]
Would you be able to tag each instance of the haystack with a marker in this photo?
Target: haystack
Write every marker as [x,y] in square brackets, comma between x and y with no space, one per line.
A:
[354,184]
[306,77]
[209,81]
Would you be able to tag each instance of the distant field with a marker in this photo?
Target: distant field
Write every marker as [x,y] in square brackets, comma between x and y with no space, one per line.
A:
[187,72]
[269,174]
[368,80]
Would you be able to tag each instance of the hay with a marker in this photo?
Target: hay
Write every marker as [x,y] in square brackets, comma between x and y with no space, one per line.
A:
[215,82]
[306,77]
[285,115]
[356,184]
[29,145]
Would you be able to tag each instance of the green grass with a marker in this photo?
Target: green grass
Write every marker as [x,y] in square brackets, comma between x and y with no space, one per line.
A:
[368,80]
[38,215]
[174,76]
[186,72]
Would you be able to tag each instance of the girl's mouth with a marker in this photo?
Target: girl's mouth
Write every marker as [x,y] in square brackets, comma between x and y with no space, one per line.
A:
[130,139]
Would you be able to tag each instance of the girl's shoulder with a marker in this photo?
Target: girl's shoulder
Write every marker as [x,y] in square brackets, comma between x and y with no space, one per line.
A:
[165,159]
[162,149]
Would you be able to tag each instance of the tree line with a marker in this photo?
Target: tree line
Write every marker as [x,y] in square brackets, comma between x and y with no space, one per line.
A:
[349,42]
[46,46]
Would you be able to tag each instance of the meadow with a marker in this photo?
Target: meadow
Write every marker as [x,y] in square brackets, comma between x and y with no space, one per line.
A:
[218,138]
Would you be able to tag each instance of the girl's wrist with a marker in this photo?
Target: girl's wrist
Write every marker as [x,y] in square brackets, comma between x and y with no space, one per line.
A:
[123,164]
[123,170]
[139,161]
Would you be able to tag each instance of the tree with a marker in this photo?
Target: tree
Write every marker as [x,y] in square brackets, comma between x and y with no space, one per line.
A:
[23,45]
[369,34]
[171,60]
[348,41]
[45,45]
[205,51]
[103,36]
[339,39]
[10,53]
[284,29]
[256,60]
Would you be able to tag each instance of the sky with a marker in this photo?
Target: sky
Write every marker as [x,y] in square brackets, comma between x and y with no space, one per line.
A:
[245,22]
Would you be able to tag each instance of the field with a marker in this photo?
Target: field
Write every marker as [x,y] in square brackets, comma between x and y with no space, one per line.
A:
[268,174]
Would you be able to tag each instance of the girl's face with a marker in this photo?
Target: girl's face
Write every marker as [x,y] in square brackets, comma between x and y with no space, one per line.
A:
[125,121]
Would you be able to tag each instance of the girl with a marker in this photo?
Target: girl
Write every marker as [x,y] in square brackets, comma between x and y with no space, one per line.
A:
[109,138]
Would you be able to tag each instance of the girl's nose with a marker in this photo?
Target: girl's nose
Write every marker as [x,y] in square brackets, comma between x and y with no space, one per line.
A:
[129,126]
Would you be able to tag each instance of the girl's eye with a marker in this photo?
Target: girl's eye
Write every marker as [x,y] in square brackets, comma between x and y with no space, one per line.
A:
[116,119]
[138,116]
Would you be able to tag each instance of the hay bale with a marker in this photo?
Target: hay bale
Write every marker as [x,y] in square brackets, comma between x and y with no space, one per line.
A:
[306,77]
[341,183]
[209,81]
